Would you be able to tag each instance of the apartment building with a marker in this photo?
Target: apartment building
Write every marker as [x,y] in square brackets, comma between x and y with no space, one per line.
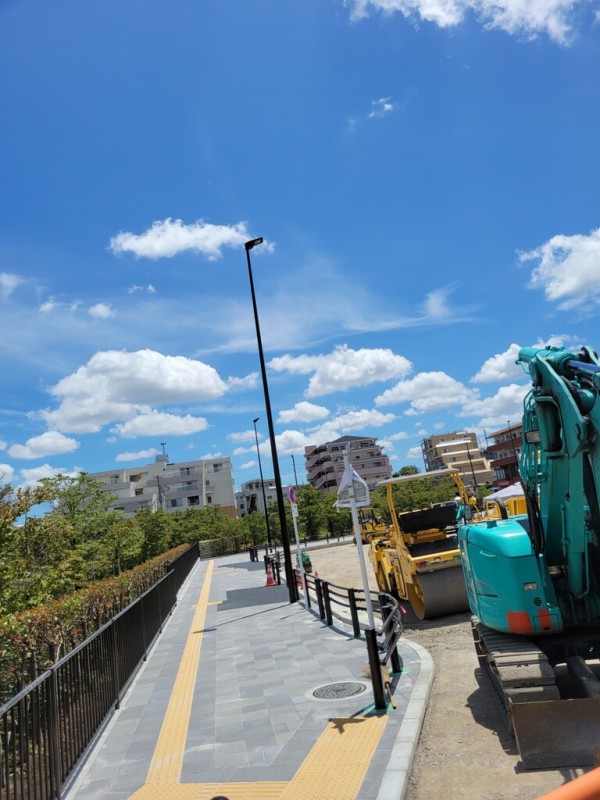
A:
[325,462]
[459,450]
[250,497]
[171,486]
[503,454]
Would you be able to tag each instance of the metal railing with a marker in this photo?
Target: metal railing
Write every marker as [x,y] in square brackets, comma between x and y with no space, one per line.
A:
[348,605]
[46,728]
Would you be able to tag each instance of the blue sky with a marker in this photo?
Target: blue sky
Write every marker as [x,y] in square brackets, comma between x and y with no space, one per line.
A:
[425,175]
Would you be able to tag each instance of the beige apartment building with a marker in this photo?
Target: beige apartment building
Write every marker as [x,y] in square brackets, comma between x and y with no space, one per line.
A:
[459,450]
[171,486]
[324,463]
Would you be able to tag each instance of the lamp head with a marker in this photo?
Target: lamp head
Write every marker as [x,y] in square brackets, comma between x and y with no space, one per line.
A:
[253,243]
[255,420]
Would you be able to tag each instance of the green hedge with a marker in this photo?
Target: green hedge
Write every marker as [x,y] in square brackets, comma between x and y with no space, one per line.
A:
[33,640]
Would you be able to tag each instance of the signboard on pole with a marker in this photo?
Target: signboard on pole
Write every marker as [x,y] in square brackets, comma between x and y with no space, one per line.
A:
[292,495]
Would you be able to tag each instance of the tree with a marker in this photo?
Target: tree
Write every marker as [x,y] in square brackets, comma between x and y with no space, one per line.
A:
[123,544]
[410,469]
[157,530]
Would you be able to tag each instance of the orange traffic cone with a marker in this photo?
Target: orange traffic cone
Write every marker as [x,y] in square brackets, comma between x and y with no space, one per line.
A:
[270,581]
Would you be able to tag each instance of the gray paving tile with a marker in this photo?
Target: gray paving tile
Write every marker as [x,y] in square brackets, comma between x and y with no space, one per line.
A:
[252,716]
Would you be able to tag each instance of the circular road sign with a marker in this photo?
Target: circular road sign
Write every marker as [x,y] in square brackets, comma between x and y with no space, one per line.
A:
[292,495]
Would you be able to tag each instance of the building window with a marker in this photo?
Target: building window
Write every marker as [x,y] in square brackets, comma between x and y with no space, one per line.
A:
[114,479]
[207,482]
[177,502]
[185,471]
[217,467]
[194,500]
[135,478]
[209,500]
[138,492]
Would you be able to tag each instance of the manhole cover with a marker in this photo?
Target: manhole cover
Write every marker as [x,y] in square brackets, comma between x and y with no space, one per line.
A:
[337,691]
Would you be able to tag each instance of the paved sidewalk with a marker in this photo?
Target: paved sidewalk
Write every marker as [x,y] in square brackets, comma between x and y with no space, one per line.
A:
[225,705]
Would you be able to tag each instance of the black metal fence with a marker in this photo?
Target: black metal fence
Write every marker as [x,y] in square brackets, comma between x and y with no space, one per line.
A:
[45,729]
[348,605]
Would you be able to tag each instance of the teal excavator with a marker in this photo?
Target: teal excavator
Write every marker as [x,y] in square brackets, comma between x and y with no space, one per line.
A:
[533,580]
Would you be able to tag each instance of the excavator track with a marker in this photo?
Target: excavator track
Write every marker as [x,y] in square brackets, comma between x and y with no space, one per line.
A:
[520,670]
[550,732]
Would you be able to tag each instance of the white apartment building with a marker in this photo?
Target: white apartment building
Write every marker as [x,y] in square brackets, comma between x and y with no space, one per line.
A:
[250,497]
[325,462]
[171,486]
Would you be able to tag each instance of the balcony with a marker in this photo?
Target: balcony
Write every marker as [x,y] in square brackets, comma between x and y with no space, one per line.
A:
[507,444]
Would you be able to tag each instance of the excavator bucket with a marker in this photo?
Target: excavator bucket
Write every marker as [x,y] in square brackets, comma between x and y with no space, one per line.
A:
[557,733]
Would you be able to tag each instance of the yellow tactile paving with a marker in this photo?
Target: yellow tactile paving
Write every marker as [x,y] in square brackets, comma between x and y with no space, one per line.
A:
[335,767]
[337,764]
[261,790]
[165,767]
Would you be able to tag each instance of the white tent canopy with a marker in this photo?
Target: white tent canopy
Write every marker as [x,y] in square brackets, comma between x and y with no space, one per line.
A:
[516,490]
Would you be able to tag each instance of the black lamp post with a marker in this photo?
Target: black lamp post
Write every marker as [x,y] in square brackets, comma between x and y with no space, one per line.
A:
[472,470]
[289,572]
[262,484]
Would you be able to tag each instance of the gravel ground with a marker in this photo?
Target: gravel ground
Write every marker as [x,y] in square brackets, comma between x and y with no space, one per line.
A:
[465,750]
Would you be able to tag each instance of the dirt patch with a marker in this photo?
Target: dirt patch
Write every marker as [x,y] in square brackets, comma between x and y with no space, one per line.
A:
[465,750]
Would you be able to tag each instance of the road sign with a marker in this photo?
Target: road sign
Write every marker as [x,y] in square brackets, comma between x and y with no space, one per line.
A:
[292,495]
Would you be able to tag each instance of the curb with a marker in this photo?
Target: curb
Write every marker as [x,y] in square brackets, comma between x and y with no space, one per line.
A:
[394,784]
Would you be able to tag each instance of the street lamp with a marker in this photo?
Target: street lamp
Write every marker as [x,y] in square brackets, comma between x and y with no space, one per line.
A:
[262,483]
[289,572]
[472,470]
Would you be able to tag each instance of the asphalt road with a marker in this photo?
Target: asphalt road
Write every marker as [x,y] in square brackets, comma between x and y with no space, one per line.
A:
[465,749]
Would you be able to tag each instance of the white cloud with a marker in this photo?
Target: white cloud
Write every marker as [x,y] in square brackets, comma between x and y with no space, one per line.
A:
[101,311]
[8,283]
[115,385]
[506,404]
[414,452]
[249,465]
[568,269]
[158,423]
[48,444]
[137,456]
[427,391]
[381,107]
[243,436]
[2,445]
[397,437]
[54,305]
[345,423]
[500,367]
[522,17]
[210,456]
[344,368]
[169,237]
[31,477]
[303,412]
[7,474]
[289,443]
[241,451]
[249,381]
[134,289]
